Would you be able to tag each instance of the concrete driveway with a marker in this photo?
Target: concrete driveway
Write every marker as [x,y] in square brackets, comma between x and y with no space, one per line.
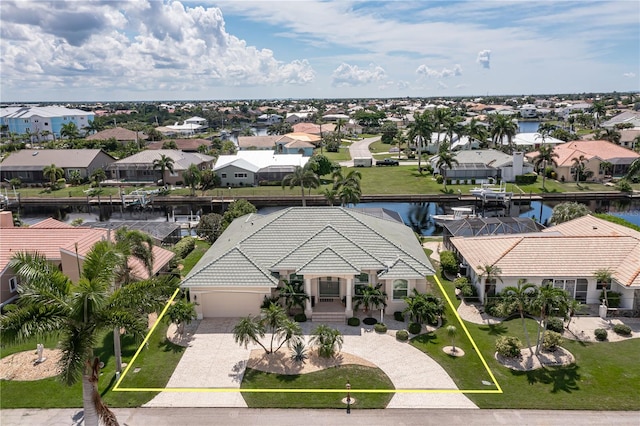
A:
[214,360]
[359,149]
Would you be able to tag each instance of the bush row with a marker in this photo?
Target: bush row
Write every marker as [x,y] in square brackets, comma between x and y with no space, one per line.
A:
[184,247]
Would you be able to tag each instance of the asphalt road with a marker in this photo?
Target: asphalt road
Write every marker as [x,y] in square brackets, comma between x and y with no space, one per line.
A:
[243,416]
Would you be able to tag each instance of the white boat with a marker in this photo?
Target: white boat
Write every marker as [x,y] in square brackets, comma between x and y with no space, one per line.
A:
[459,213]
[490,191]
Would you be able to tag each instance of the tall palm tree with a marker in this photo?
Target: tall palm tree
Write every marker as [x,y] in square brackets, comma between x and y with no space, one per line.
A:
[273,319]
[191,177]
[69,130]
[634,169]
[53,173]
[603,276]
[349,194]
[352,178]
[163,164]
[339,125]
[520,296]
[93,126]
[477,131]
[304,177]
[579,164]
[420,133]
[424,307]
[503,127]
[599,111]
[548,299]
[546,155]
[293,294]
[446,160]
[50,304]
[440,117]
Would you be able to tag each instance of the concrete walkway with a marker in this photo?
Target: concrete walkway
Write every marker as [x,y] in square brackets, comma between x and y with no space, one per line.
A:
[214,360]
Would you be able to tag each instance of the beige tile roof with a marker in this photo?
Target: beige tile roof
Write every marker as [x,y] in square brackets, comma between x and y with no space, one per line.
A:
[575,248]
[589,149]
[117,133]
[51,223]
[182,144]
[265,142]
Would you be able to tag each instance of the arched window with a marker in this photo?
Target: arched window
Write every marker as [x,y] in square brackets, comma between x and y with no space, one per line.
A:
[400,289]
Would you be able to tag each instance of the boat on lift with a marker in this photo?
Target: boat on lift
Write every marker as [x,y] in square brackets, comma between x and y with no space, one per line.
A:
[458,213]
[489,191]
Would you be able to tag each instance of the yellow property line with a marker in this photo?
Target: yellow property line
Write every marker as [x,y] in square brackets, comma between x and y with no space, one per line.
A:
[117,387]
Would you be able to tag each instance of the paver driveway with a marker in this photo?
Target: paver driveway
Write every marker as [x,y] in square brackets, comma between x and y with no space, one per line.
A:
[214,360]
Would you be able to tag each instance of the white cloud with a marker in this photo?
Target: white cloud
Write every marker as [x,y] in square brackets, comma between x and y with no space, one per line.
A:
[484,58]
[352,75]
[629,74]
[424,70]
[442,85]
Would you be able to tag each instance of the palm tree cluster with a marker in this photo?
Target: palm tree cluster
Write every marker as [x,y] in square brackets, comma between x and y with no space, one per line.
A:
[372,297]
[273,320]
[424,308]
[503,127]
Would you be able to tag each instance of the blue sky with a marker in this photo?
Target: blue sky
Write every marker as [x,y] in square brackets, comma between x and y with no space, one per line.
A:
[173,50]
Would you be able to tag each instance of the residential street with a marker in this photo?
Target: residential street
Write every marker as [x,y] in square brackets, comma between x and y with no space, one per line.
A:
[359,149]
[244,416]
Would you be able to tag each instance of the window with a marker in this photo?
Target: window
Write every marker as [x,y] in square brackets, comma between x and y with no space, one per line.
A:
[13,284]
[362,279]
[223,175]
[581,290]
[400,289]
[240,175]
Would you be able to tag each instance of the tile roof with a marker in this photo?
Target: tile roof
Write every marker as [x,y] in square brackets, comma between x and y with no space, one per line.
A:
[315,237]
[37,159]
[182,144]
[603,150]
[117,133]
[266,142]
[575,248]
[182,160]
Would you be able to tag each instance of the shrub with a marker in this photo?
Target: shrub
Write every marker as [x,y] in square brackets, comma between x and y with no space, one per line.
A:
[380,328]
[415,328]
[448,262]
[551,340]
[460,282]
[624,186]
[622,329]
[353,321]
[555,324]
[402,335]
[527,179]
[439,179]
[469,291]
[301,317]
[613,298]
[601,334]
[184,247]
[508,346]
[397,315]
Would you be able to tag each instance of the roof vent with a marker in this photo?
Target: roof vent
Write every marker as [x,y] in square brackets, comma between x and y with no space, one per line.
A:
[595,227]
[35,153]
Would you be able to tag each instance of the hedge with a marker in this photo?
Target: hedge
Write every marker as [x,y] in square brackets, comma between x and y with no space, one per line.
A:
[527,179]
[184,247]
[448,262]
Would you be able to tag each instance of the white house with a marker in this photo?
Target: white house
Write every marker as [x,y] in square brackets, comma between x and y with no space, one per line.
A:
[251,167]
[528,111]
[509,166]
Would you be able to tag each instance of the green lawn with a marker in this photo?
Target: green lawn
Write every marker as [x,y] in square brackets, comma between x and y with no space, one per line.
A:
[192,258]
[341,155]
[359,376]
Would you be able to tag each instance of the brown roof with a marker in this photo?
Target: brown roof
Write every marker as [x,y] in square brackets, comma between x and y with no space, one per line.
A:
[260,142]
[117,133]
[604,150]
[182,144]
[313,128]
[33,159]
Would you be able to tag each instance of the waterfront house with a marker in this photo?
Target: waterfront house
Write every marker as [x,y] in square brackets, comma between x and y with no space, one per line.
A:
[333,251]
[257,142]
[120,134]
[42,122]
[297,143]
[484,164]
[28,164]
[185,145]
[566,255]
[254,167]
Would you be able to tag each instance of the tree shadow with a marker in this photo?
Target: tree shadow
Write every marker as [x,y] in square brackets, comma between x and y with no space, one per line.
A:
[563,379]
[426,339]
[167,346]
[495,329]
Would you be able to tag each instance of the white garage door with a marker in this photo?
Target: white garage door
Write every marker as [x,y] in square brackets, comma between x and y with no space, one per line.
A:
[232,304]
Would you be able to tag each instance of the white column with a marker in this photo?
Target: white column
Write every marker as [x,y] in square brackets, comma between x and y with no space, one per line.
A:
[349,310]
[197,299]
[307,289]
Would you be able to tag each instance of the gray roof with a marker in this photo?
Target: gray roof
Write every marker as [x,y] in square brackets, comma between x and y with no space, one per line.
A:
[492,226]
[32,159]
[158,230]
[306,239]
[182,160]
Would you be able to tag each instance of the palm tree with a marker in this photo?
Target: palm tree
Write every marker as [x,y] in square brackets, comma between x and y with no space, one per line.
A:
[330,194]
[339,125]
[603,277]
[612,135]
[93,126]
[50,304]
[349,193]
[400,140]
[634,169]
[163,163]
[70,130]
[424,307]
[304,177]
[546,155]
[440,117]
[477,131]
[446,159]
[522,297]
[420,132]
[249,330]
[503,127]
[293,294]
[372,298]
[579,164]
[599,111]
[328,340]
[490,273]
[53,173]
[565,212]
[191,177]
[181,313]
[548,299]
[273,319]
[98,176]
[452,332]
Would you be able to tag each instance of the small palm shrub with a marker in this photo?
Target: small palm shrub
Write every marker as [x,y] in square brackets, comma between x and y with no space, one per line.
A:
[613,298]
[508,346]
[415,328]
[301,317]
[448,262]
[555,324]
[299,352]
[380,328]
[402,335]
[622,329]
[551,340]
[353,321]
[397,315]
[601,334]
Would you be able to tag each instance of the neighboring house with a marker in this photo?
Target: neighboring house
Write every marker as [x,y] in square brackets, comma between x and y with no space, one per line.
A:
[27,164]
[139,167]
[297,143]
[64,245]
[566,255]
[34,120]
[335,117]
[189,126]
[269,119]
[162,233]
[313,128]
[333,251]
[120,134]
[630,138]
[529,141]
[486,226]
[632,117]
[484,164]
[186,145]
[594,153]
[257,142]
[251,167]
[297,117]
[528,111]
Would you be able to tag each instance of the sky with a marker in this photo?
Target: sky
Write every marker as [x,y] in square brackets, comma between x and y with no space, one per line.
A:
[152,50]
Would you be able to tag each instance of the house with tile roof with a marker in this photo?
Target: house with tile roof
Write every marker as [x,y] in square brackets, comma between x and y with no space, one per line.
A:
[64,245]
[120,134]
[251,168]
[594,153]
[139,167]
[267,142]
[186,145]
[297,143]
[566,255]
[333,251]
[28,164]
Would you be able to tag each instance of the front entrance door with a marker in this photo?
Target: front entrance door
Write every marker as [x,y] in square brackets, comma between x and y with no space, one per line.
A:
[329,288]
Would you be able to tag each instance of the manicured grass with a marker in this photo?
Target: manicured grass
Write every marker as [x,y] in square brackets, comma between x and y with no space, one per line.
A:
[157,363]
[192,258]
[69,191]
[360,377]
[604,377]
[341,155]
